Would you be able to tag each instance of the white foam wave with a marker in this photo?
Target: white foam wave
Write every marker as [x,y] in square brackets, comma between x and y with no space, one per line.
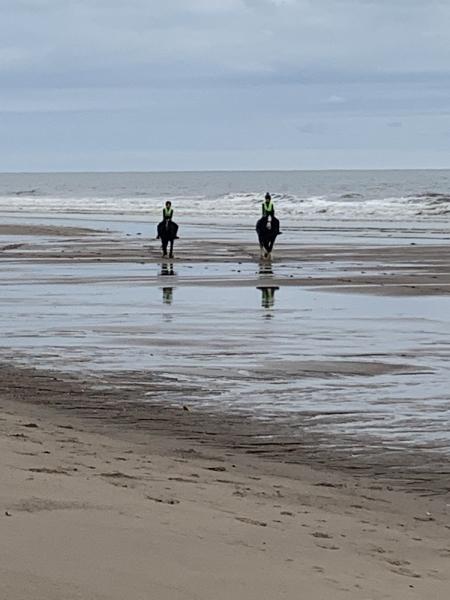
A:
[237,205]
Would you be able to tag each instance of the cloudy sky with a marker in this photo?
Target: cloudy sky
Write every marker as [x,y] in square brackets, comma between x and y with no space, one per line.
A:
[224,84]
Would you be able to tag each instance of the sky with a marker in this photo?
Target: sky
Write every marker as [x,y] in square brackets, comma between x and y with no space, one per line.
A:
[145,85]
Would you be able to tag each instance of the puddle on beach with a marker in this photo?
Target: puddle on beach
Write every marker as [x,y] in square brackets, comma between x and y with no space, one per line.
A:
[271,350]
[185,273]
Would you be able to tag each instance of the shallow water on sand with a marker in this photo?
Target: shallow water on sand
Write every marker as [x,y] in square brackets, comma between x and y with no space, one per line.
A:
[357,365]
[375,232]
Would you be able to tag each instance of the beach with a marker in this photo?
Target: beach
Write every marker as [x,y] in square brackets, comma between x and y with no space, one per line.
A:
[218,425]
[121,481]
[100,501]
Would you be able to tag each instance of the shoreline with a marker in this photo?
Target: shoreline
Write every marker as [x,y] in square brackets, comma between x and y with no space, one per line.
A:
[115,403]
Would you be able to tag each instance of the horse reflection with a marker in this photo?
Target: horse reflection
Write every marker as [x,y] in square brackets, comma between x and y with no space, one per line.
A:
[265,269]
[268,296]
[167,295]
[167,270]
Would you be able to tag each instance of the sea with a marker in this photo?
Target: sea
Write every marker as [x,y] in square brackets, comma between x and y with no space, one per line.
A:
[233,196]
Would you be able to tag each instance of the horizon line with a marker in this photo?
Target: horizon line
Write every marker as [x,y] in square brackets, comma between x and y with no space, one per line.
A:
[179,171]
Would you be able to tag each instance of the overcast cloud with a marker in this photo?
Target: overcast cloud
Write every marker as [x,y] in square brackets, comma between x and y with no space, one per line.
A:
[223,84]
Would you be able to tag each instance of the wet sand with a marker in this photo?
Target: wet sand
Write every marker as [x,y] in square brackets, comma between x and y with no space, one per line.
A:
[206,498]
[415,269]
[44,230]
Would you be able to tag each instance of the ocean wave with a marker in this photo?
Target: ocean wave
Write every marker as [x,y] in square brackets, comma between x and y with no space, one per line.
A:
[431,198]
[236,205]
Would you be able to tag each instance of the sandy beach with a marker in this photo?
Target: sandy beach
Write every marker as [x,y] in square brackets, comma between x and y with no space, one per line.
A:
[93,508]
[134,482]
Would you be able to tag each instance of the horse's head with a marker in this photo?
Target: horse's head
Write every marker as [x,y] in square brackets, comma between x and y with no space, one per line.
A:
[269,222]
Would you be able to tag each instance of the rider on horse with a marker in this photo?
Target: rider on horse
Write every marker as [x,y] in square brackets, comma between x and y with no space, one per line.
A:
[268,227]
[167,219]
[167,230]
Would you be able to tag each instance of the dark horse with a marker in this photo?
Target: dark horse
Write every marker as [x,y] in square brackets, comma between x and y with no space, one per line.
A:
[167,233]
[267,229]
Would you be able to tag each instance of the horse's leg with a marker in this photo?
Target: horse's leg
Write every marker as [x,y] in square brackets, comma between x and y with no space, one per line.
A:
[171,249]
[261,247]
[164,246]
[267,247]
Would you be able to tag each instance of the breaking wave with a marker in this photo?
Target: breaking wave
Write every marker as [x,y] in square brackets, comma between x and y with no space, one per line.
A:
[347,206]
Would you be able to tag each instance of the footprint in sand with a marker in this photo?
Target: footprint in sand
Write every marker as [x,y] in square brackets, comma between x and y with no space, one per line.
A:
[182,479]
[33,505]
[319,534]
[117,475]
[318,569]
[170,501]
[328,546]
[251,521]
[55,471]
[119,479]
[329,485]
[377,550]
[400,568]
[405,572]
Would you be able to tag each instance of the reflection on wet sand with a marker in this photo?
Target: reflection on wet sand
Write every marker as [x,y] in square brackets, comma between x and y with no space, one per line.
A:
[268,298]
[167,271]
[167,295]
[267,291]
[98,318]
[265,269]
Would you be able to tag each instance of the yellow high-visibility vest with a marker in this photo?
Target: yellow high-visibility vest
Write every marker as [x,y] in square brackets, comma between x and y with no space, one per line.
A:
[267,208]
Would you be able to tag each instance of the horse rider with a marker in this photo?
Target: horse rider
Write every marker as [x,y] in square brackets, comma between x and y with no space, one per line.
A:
[268,209]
